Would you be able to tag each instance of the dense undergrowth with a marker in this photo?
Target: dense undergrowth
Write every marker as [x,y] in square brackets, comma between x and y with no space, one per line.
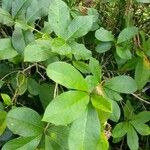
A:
[74,75]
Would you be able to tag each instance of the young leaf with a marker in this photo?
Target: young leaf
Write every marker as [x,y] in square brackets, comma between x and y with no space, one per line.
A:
[7,100]
[101,103]
[24,122]
[95,68]
[120,129]
[5,18]
[40,50]
[59,17]
[104,35]
[63,109]
[132,138]
[127,34]
[121,84]
[22,143]
[6,50]
[142,74]
[66,75]
[79,27]
[85,131]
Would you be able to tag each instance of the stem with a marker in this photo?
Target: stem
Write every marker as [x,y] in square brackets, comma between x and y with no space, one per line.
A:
[140,99]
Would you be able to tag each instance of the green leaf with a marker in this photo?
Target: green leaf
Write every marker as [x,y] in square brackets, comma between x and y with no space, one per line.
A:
[81,66]
[101,103]
[59,17]
[104,35]
[33,86]
[46,94]
[60,47]
[141,128]
[24,122]
[123,52]
[95,68]
[58,136]
[103,47]
[63,109]
[127,34]
[80,52]
[121,84]
[142,74]
[132,138]
[5,18]
[37,9]
[79,27]
[120,129]
[1,83]
[7,4]
[7,100]
[66,75]
[2,121]
[116,112]
[112,94]
[142,117]
[19,7]
[21,38]
[22,143]
[6,50]
[40,50]
[85,131]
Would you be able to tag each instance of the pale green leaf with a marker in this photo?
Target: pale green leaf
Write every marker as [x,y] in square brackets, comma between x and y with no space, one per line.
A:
[6,50]
[101,103]
[5,18]
[24,122]
[104,35]
[132,138]
[80,52]
[79,27]
[143,1]
[6,4]
[63,109]
[85,131]
[121,84]
[127,34]
[40,50]
[22,143]
[66,75]
[103,47]
[59,17]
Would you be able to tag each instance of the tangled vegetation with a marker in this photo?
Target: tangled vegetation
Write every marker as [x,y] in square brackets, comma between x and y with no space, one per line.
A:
[74,75]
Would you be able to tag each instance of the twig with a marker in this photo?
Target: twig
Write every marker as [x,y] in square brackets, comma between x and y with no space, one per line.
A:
[140,99]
